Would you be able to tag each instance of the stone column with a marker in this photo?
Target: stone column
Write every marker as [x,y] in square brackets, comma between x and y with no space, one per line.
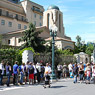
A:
[27,55]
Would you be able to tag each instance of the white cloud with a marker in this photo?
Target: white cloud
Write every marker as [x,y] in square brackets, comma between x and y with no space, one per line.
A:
[90,20]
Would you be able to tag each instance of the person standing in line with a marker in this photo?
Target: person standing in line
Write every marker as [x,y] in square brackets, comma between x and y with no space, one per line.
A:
[88,73]
[70,67]
[26,72]
[64,71]
[35,73]
[1,72]
[93,73]
[15,73]
[75,72]
[59,70]
[81,73]
[38,66]
[22,73]
[31,73]
[8,73]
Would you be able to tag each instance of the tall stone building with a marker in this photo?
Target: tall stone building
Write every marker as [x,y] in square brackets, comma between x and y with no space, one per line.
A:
[15,17]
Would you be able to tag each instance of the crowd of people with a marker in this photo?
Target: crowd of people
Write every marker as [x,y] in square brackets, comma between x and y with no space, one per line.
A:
[24,73]
[32,73]
[85,73]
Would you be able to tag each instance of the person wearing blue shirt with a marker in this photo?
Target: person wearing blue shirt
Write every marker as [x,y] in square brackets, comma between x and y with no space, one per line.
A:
[15,73]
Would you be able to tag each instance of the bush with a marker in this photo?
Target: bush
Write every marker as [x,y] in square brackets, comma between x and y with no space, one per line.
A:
[10,55]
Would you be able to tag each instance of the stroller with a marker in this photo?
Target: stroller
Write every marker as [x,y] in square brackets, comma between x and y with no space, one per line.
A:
[47,81]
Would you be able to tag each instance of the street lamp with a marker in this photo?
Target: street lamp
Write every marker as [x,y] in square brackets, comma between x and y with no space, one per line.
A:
[53,33]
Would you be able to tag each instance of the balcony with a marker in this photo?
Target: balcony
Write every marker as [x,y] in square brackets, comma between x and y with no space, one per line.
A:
[6,14]
[37,10]
[20,18]
[13,16]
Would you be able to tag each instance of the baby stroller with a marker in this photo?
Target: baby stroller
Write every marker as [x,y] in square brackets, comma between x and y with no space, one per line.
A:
[47,81]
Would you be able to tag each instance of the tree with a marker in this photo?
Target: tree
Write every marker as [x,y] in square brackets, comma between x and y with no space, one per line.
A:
[89,49]
[32,39]
[78,38]
[65,52]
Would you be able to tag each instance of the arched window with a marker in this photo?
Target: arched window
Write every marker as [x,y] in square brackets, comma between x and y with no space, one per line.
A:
[48,19]
[59,22]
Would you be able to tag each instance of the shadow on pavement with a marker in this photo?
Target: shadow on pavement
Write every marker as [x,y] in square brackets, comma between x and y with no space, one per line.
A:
[57,86]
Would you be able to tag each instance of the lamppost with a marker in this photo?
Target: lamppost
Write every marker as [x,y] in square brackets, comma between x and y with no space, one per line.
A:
[53,33]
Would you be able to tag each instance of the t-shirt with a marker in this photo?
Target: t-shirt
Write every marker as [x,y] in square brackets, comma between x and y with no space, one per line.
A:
[2,69]
[70,67]
[48,69]
[59,67]
[7,69]
[15,67]
[31,69]
[93,72]
[35,69]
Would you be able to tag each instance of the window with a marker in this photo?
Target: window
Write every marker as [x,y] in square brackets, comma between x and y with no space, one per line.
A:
[25,27]
[40,24]
[19,40]
[35,23]
[48,19]
[35,15]
[40,17]
[2,22]
[10,24]
[59,22]
[19,26]
[9,42]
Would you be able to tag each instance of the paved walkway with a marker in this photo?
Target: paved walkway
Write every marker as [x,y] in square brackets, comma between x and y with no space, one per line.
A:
[62,87]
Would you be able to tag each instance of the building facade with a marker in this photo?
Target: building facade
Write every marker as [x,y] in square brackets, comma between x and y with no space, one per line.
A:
[15,17]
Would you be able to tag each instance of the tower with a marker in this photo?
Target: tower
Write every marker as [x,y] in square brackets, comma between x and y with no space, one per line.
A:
[53,16]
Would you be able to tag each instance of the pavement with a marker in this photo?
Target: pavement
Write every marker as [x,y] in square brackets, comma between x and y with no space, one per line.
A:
[61,87]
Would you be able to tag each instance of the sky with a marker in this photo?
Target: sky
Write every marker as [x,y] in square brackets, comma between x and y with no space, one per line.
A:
[78,17]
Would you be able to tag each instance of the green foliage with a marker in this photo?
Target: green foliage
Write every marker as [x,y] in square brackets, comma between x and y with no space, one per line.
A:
[32,39]
[64,52]
[89,49]
[78,38]
[29,48]
[10,55]
[80,46]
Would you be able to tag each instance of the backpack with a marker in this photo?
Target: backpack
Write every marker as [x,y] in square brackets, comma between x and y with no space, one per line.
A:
[31,70]
[20,69]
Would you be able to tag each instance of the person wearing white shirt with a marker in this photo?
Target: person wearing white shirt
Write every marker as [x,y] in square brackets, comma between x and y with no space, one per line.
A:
[47,69]
[47,76]
[1,72]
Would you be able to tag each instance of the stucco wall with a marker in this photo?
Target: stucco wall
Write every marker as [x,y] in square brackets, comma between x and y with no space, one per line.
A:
[5,28]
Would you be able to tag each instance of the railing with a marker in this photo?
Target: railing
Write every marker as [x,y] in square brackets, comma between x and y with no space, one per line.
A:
[37,10]
[10,15]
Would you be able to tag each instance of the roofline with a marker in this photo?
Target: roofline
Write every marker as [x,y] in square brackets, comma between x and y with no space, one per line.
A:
[62,39]
[21,31]
[34,3]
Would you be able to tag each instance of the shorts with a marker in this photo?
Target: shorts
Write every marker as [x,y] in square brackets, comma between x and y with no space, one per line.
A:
[31,76]
[26,74]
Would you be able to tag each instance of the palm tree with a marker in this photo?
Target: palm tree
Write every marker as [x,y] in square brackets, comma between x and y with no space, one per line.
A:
[78,41]
[32,39]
